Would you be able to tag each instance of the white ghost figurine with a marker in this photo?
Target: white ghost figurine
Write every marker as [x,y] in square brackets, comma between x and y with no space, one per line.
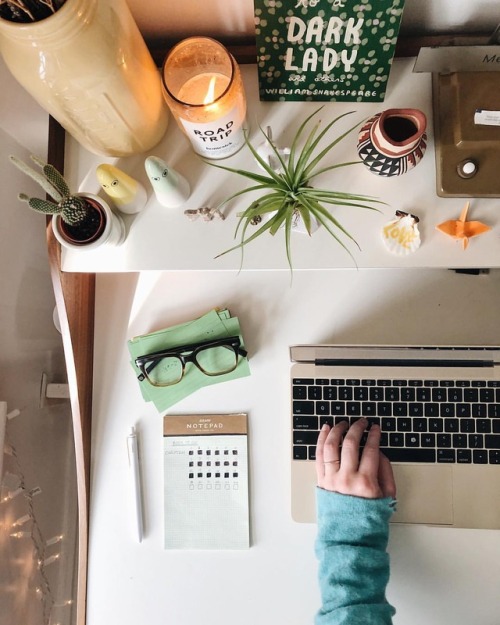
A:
[171,189]
[128,195]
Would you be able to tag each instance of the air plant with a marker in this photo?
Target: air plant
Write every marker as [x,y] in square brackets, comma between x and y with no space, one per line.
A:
[288,192]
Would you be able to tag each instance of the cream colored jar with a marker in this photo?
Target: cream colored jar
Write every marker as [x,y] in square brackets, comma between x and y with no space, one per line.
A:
[88,66]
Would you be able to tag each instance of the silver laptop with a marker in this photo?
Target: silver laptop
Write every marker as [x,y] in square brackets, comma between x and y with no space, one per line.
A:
[439,411]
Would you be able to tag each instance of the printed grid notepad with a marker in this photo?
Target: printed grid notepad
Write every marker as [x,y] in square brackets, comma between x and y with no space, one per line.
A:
[206,481]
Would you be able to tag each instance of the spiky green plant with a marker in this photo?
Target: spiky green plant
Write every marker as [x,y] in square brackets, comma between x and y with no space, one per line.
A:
[73,209]
[288,191]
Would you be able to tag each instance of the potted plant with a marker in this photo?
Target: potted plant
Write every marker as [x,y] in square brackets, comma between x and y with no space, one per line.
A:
[80,220]
[288,192]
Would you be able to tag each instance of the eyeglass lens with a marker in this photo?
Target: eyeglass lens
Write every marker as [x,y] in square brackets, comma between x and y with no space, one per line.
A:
[215,360]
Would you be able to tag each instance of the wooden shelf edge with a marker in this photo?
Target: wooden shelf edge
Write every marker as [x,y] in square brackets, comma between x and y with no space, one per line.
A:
[75,302]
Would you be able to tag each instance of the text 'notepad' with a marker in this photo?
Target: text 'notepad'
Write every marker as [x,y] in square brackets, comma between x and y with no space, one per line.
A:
[206,481]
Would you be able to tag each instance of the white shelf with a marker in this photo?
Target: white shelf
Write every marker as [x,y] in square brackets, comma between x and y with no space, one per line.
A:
[164,239]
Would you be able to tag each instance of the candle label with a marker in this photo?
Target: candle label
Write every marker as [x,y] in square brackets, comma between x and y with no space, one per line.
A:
[217,139]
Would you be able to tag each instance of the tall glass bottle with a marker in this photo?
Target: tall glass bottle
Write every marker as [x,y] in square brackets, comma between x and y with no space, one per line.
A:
[88,66]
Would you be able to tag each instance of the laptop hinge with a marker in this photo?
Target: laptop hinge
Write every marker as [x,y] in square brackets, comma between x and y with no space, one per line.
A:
[382,362]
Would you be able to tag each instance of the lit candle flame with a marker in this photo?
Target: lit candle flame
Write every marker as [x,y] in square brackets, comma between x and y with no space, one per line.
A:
[209,98]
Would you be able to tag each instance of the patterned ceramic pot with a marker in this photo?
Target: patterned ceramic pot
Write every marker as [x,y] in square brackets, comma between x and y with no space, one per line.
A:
[393,142]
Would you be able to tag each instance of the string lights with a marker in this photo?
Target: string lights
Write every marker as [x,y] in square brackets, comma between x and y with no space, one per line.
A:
[18,518]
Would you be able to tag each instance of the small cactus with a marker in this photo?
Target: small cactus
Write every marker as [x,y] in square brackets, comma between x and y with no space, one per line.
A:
[72,209]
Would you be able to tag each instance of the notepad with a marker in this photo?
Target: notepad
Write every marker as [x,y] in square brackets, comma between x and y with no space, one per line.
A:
[206,481]
[215,324]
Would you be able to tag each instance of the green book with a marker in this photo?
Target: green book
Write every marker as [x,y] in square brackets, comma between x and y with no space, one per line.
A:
[325,50]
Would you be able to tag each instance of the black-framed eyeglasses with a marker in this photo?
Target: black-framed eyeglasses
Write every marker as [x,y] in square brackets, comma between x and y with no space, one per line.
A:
[167,367]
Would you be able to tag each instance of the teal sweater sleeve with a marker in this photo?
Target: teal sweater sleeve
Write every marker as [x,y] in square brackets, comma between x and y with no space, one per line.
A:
[353,562]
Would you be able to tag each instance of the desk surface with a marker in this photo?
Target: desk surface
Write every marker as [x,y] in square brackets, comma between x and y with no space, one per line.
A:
[439,576]
[164,239]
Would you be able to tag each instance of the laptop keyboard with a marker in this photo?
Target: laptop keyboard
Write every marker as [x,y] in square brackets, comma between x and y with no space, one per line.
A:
[446,421]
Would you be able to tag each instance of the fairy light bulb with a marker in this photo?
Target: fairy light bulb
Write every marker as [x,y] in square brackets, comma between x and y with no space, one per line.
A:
[21,520]
[54,540]
[21,534]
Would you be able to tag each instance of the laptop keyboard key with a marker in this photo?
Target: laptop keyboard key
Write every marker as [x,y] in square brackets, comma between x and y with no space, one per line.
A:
[492,441]
[338,408]
[428,440]
[464,456]
[389,425]
[420,425]
[493,411]
[487,395]
[447,410]
[299,452]
[431,410]
[435,425]
[479,411]
[384,409]
[483,426]
[412,440]
[476,441]
[391,394]
[446,455]
[303,407]
[353,408]
[444,440]
[396,439]
[460,440]
[400,454]
[399,409]
[322,408]
[329,393]
[305,423]
[451,425]
[416,410]
[314,392]
[345,393]
[305,437]
[494,456]
[299,392]
[480,456]
[369,409]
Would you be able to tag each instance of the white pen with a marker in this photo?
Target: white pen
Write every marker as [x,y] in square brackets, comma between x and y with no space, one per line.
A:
[133,460]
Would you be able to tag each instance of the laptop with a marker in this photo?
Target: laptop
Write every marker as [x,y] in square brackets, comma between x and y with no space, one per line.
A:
[439,412]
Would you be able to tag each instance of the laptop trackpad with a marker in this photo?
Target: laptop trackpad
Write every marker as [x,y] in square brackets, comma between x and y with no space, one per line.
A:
[424,493]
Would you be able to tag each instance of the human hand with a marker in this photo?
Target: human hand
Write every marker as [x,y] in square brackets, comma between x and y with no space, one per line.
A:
[343,471]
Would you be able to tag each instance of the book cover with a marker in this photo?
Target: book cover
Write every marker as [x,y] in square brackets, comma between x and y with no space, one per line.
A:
[325,50]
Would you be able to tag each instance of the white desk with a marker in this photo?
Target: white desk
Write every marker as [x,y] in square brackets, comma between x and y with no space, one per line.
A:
[164,239]
[439,576]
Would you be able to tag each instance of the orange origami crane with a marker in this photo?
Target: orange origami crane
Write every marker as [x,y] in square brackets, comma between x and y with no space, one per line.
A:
[462,229]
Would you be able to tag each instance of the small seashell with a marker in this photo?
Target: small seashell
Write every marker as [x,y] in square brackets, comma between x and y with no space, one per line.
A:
[401,235]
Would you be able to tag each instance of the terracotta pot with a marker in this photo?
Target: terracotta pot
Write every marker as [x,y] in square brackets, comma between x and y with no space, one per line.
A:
[109,230]
[393,142]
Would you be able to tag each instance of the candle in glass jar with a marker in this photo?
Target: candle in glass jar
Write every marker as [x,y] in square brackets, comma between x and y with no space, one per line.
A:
[204,90]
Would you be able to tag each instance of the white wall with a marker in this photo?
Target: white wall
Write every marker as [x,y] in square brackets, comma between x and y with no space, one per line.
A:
[172,19]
